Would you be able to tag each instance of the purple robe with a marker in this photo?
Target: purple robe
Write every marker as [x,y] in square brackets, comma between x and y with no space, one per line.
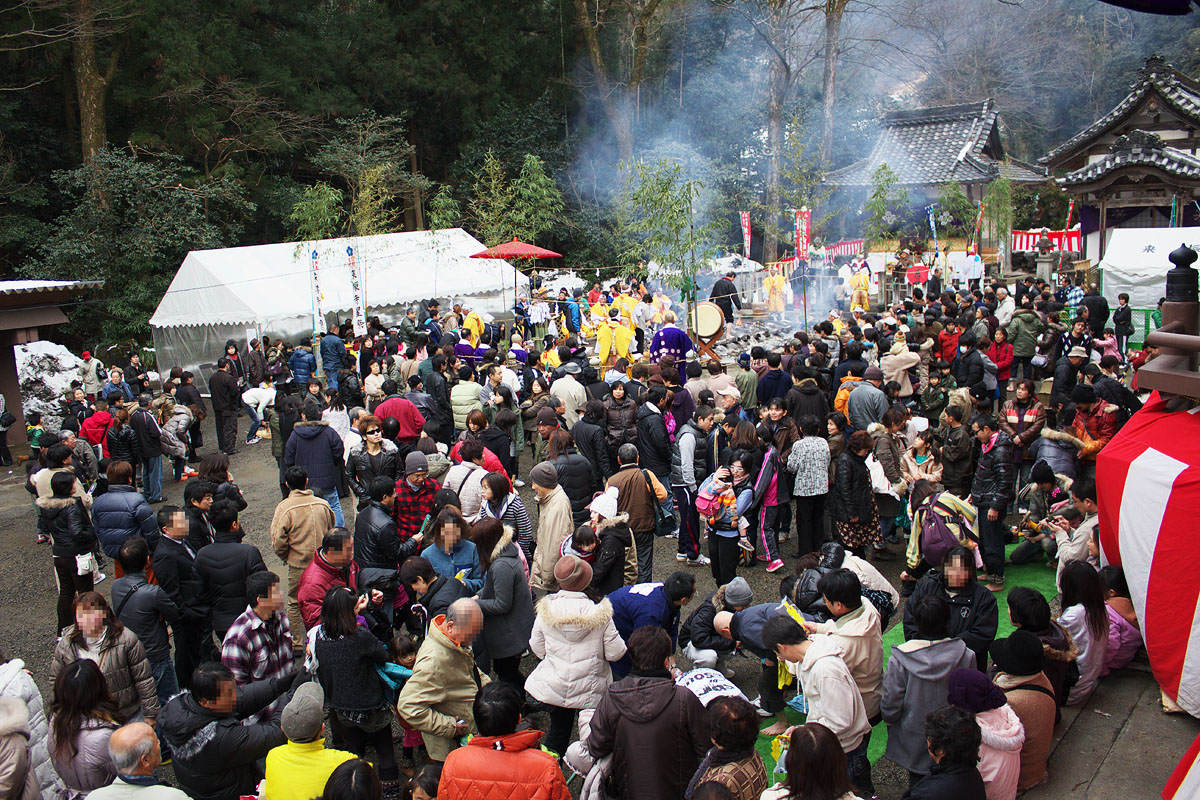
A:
[670,341]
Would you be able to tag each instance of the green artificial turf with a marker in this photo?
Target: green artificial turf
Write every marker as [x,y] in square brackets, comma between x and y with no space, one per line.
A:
[1038,576]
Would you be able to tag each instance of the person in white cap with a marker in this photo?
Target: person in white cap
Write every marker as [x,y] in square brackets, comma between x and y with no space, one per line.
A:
[616,560]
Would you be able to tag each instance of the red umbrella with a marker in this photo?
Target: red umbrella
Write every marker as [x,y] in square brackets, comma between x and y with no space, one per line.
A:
[516,249]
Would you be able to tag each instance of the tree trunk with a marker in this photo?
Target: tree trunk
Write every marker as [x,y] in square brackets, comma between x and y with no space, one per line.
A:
[834,9]
[612,98]
[777,82]
[91,86]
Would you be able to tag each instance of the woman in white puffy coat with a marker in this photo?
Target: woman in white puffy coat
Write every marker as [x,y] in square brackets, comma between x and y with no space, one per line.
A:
[15,682]
[575,638]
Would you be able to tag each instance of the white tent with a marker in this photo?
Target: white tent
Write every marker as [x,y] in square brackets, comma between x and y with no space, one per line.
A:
[245,292]
[1135,262]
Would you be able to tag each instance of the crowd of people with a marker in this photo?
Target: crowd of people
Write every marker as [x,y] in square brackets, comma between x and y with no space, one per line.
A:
[419,577]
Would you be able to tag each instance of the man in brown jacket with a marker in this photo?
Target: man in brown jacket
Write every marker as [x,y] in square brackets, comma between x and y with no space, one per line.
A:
[666,733]
[299,524]
[635,498]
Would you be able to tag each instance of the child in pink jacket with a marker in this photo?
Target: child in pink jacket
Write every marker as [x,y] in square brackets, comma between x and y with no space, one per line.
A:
[1003,733]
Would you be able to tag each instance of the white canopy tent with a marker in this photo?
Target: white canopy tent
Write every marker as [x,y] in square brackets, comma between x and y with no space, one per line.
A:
[245,292]
[1135,262]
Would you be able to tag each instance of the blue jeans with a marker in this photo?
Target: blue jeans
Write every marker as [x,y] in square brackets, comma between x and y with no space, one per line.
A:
[330,377]
[152,477]
[331,496]
[255,420]
[168,686]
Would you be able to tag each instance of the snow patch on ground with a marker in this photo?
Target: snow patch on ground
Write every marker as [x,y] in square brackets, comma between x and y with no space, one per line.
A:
[46,370]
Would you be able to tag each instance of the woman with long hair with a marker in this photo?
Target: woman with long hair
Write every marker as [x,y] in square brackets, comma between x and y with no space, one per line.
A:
[99,636]
[502,502]
[83,716]
[347,656]
[816,767]
[1085,619]
[852,503]
[505,600]
[214,468]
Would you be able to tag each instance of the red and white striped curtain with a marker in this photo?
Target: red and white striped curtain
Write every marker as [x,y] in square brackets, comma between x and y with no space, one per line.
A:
[1068,241]
[847,247]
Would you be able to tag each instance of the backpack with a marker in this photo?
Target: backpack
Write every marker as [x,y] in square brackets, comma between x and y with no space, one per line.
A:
[936,536]
[708,503]
[276,368]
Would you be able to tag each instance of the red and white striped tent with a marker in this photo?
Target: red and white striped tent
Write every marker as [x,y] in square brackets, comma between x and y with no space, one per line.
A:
[1148,487]
[1068,241]
[846,247]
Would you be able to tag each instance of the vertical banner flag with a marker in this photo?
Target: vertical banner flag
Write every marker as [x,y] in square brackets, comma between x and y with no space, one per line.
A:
[1070,210]
[356,288]
[933,230]
[978,225]
[803,221]
[745,215]
[315,281]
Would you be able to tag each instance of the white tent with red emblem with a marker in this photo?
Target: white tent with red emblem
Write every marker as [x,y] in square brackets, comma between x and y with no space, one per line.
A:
[1148,487]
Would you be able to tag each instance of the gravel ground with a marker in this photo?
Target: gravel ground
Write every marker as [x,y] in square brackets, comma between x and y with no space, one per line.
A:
[29,633]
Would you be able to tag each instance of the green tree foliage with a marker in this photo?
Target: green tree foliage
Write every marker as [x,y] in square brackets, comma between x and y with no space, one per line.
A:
[318,214]
[444,211]
[886,207]
[491,204]
[998,214]
[658,220]
[130,222]
[955,214]
[537,204]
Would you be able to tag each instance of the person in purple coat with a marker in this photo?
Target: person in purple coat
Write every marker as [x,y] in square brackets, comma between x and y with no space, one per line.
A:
[465,352]
[670,341]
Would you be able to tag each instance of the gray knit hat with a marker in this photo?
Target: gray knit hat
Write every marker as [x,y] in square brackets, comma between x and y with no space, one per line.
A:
[416,461]
[737,593]
[544,475]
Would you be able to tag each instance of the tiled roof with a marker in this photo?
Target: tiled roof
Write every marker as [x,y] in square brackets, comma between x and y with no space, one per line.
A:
[942,144]
[1173,161]
[1180,91]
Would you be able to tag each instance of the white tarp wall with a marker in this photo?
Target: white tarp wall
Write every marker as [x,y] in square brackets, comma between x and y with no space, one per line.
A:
[243,292]
[1135,262]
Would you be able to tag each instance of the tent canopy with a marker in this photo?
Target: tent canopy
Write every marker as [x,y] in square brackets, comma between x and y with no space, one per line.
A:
[240,293]
[258,284]
[1135,262]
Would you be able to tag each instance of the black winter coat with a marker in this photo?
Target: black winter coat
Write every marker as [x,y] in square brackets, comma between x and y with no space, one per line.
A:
[200,530]
[851,496]
[316,447]
[216,756]
[608,570]
[441,594]
[439,391]
[376,543]
[970,369]
[591,439]
[1122,319]
[122,512]
[973,614]
[951,782]
[223,568]
[66,522]
[362,468]
[175,571]
[993,485]
[149,434]
[189,395]
[226,490]
[1066,375]
[226,396]
[621,420]
[500,443]
[699,629]
[654,444]
[122,444]
[806,397]
[575,478]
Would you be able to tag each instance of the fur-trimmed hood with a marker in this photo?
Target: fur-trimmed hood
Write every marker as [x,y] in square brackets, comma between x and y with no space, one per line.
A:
[611,522]
[503,542]
[1064,655]
[1062,436]
[55,503]
[564,610]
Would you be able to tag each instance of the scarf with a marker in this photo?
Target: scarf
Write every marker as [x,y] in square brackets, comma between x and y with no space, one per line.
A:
[715,757]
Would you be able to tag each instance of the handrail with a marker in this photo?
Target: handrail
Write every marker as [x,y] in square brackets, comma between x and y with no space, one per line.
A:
[1185,342]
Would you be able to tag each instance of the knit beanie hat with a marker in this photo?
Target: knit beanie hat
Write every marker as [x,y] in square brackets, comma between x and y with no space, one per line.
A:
[973,692]
[1041,473]
[572,573]
[737,593]
[544,475]
[605,503]
[546,416]
[415,462]
[1082,393]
